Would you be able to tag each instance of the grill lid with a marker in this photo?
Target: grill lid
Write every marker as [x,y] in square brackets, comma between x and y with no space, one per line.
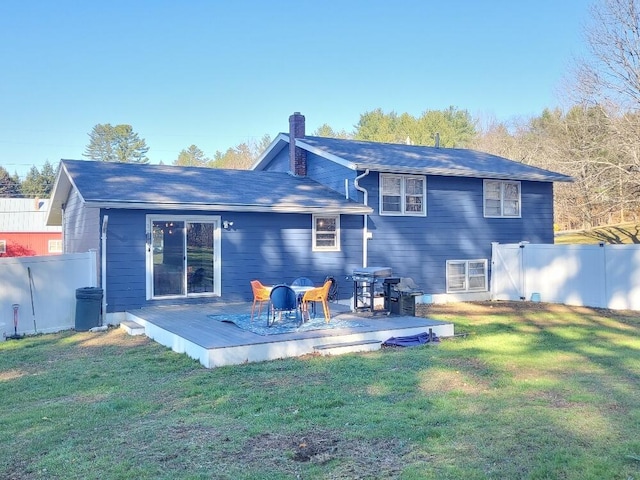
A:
[373,272]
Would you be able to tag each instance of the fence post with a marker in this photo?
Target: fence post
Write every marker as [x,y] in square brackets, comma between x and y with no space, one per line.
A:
[523,272]
[492,285]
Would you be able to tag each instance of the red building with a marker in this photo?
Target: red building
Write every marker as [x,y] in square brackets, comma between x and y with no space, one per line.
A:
[23,231]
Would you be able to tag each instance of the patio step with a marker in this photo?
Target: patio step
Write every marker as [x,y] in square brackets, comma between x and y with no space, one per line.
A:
[348,347]
[132,328]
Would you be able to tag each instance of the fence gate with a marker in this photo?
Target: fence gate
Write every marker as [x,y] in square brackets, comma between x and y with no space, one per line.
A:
[603,276]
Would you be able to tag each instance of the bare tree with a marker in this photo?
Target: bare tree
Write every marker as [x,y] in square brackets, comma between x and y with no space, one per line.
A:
[611,74]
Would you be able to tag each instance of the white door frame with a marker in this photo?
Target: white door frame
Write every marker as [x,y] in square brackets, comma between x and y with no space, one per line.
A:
[217,267]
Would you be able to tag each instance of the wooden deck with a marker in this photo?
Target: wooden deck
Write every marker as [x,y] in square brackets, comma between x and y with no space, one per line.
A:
[187,329]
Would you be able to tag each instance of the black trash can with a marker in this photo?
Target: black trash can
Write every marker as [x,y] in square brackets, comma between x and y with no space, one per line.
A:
[88,308]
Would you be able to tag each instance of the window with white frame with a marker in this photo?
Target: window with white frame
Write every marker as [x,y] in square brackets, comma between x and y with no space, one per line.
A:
[501,198]
[326,232]
[3,246]
[55,246]
[403,195]
[466,276]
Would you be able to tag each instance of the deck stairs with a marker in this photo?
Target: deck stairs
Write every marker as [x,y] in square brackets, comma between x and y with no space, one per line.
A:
[132,328]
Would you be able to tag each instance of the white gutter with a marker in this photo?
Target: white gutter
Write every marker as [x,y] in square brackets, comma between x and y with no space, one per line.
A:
[326,208]
[365,231]
[103,267]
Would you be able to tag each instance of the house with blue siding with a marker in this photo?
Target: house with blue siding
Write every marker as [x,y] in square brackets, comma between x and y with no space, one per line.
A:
[310,206]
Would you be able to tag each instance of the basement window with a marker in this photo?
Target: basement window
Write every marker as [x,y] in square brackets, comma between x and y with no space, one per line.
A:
[3,246]
[467,276]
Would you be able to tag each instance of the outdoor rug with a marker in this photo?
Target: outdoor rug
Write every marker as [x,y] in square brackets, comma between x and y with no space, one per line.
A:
[287,325]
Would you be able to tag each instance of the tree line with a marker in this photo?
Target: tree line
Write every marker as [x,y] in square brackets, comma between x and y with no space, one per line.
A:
[37,183]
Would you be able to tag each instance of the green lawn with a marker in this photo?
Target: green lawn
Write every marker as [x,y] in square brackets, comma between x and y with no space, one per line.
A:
[533,391]
[613,234]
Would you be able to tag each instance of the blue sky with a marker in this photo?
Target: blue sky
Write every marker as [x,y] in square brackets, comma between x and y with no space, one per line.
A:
[217,73]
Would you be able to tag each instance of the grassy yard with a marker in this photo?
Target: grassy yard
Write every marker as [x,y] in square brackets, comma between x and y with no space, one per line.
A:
[533,391]
[613,234]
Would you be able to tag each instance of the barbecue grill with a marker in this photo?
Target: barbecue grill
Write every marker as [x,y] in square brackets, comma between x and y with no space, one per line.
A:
[364,286]
[400,295]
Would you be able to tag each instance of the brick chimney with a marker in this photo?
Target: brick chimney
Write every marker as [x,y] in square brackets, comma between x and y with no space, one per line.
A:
[297,156]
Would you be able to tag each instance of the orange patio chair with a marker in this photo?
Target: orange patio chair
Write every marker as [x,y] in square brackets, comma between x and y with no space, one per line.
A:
[261,294]
[320,294]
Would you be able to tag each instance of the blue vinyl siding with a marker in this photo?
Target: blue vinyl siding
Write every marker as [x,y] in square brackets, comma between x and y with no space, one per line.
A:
[280,162]
[273,248]
[126,261]
[454,228]
[319,169]
[330,174]
[81,226]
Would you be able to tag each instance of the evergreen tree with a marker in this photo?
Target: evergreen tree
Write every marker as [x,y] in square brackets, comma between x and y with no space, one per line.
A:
[455,128]
[39,183]
[116,144]
[192,157]
[9,185]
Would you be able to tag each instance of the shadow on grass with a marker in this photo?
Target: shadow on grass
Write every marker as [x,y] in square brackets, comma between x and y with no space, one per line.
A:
[616,235]
[575,370]
[534,391]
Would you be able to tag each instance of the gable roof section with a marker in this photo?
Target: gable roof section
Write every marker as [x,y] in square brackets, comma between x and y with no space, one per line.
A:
[135,186]
[24,215]
[412,159]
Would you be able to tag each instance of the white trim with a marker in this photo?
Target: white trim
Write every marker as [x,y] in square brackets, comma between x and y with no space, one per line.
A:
[502,185]
[451,172]
[403,196]
[321,153]
[53,241]
[336,247]
[270,152]
[3,246]
[466,288]
[217,256]
[352,210]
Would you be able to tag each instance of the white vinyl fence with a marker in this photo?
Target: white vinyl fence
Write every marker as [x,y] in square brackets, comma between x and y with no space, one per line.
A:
[602,276]
[44,287]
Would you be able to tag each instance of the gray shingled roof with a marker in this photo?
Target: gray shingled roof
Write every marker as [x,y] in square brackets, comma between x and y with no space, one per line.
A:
[399,158]
[127,185]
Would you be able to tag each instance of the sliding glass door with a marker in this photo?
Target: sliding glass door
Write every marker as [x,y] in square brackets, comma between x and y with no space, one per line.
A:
[183,256]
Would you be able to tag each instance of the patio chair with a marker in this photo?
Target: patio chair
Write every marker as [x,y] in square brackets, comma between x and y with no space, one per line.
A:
[303,282]
[283,300]
[260,294]
[320,294]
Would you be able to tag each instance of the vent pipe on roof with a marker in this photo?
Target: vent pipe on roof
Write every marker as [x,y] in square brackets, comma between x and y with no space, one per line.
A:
[437,140]
[297,156]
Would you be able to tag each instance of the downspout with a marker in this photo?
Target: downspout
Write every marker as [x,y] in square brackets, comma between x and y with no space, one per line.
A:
[365,231]
[103,267]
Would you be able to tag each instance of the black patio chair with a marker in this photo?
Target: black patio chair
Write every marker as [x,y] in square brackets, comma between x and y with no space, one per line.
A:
[302,282]
[333,289]
[283,300]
